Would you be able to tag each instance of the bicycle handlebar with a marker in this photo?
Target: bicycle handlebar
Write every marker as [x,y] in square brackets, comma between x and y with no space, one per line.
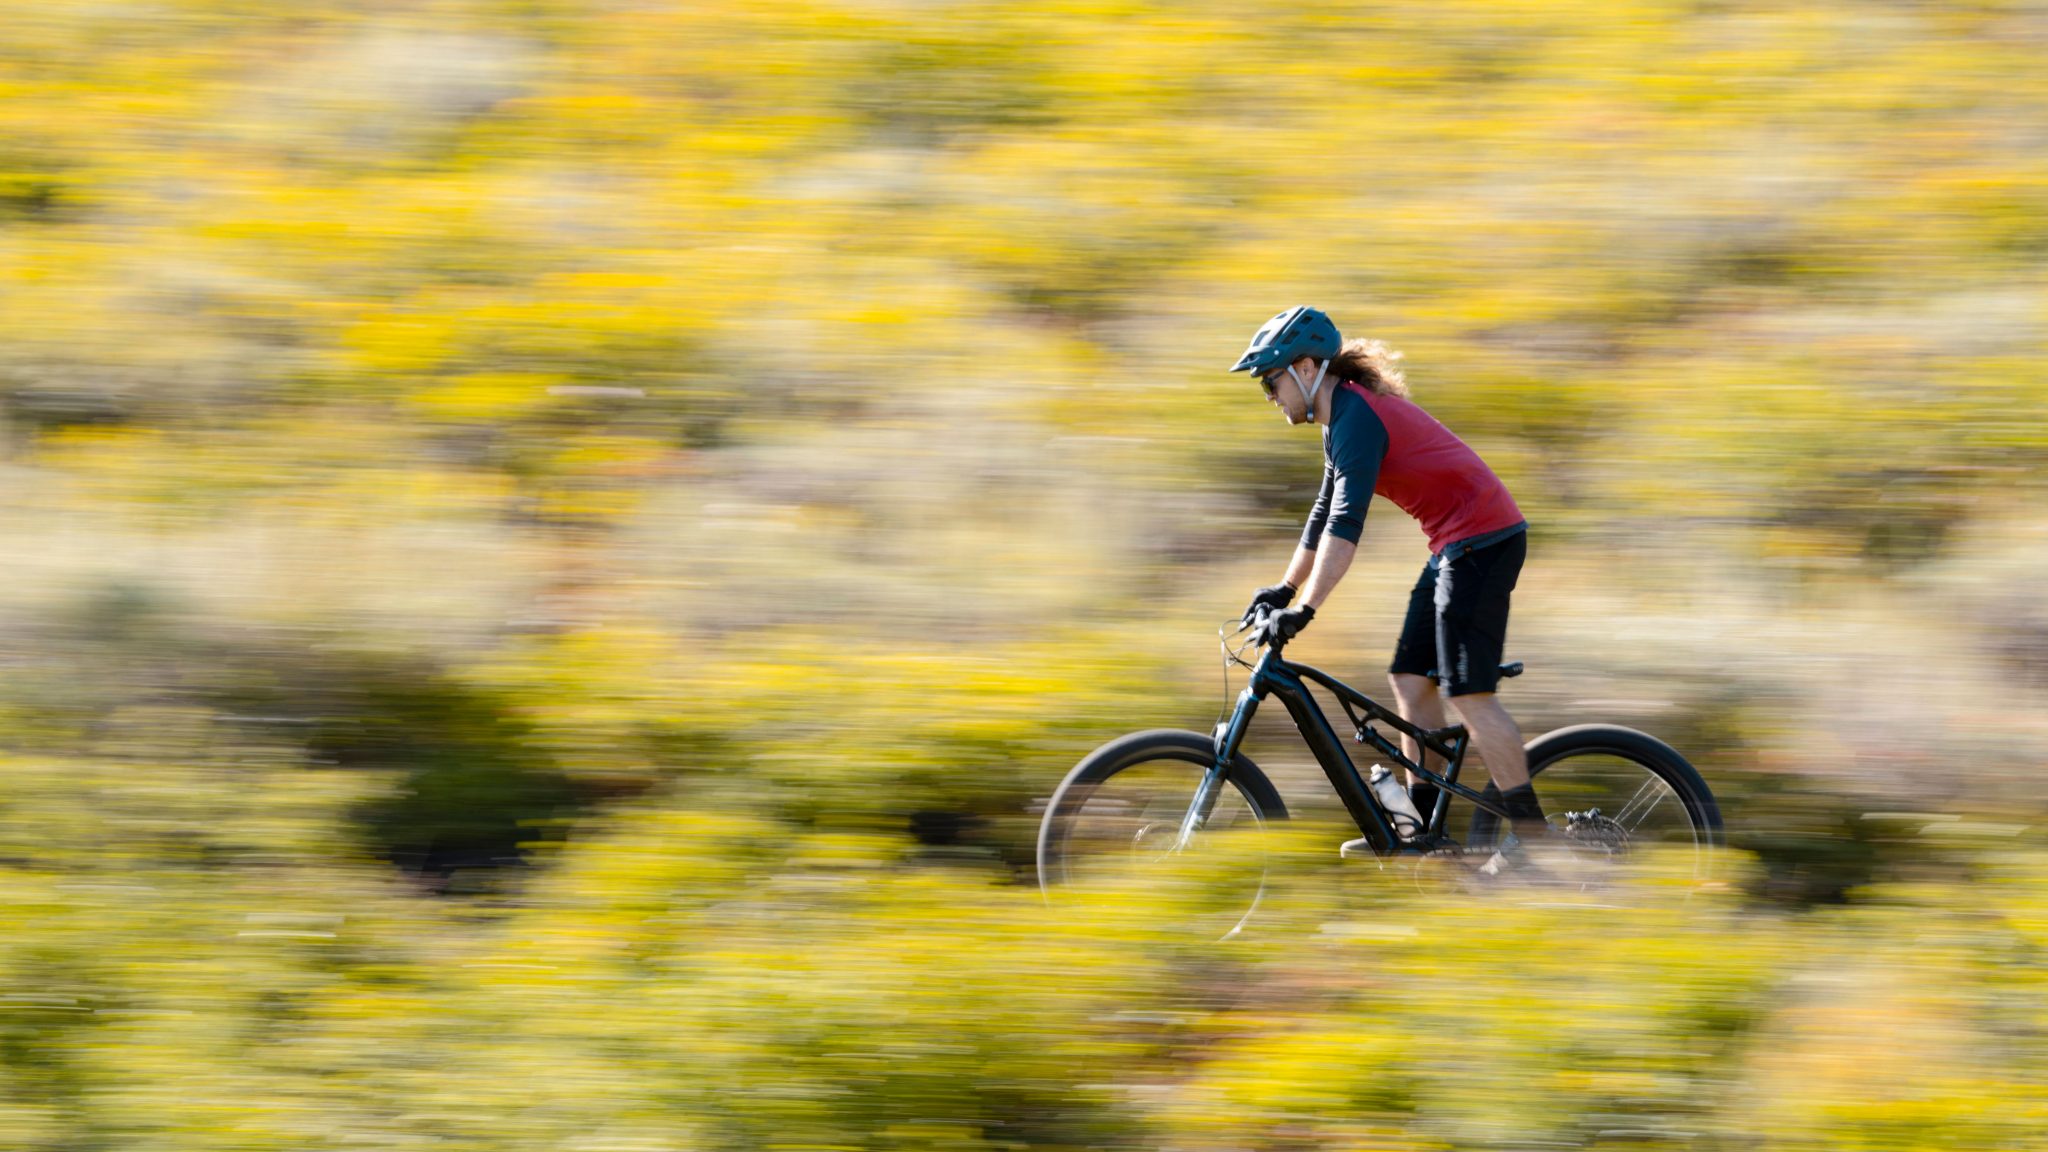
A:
[1226,631]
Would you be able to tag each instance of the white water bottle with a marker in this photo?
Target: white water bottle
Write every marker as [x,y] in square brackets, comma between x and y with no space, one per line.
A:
[1395,799]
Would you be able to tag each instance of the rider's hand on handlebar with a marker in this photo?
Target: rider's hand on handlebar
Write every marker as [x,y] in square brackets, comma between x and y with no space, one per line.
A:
[1273,597]
[1278,627]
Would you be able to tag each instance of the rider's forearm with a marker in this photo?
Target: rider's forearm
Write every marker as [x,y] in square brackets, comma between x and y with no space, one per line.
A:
[1332,560]
[1298,568]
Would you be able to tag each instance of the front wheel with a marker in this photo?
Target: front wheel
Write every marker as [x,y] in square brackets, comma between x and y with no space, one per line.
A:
[1113,830]
[1612,792]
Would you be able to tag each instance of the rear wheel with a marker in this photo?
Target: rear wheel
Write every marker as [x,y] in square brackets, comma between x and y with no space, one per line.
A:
[1613,792]
[1112,831]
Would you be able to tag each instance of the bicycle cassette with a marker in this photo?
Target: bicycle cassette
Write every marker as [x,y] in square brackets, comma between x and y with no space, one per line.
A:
[1594,833]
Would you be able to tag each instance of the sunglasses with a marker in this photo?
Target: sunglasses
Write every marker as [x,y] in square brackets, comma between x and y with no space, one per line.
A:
[1270,380]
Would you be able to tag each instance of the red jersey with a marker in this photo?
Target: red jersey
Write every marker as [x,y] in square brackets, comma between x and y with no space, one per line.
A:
[1389,446]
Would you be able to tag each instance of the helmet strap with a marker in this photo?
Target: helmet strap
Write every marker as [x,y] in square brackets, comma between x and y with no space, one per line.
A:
[1308,391]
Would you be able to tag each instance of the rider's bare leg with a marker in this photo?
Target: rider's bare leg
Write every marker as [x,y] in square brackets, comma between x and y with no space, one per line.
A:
[1417,700]
[1496,736]
[1499,741]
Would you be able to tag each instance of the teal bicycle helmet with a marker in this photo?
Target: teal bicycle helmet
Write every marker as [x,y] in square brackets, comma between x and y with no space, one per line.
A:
[1299,331]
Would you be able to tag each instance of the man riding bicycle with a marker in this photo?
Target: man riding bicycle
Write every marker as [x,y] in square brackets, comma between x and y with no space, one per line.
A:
[1377,441]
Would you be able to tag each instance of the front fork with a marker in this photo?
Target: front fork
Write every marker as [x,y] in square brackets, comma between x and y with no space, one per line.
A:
[1228,736]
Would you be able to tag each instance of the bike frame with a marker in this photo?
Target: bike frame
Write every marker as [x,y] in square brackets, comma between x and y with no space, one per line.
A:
[1273,676]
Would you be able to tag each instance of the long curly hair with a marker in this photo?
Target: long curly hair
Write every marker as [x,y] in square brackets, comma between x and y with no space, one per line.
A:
[1371,363]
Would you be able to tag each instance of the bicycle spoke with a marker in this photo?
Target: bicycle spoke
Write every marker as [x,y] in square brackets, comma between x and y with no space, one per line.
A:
[1654,788]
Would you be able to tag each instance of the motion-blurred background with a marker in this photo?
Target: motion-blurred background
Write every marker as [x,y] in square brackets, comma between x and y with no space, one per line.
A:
[552,547]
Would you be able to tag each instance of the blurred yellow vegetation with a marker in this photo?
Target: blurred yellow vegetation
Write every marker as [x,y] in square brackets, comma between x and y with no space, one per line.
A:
[734,458]
[707,977]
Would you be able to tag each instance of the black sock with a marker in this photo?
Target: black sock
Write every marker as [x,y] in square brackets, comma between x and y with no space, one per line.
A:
[1522,808]
[1424,794]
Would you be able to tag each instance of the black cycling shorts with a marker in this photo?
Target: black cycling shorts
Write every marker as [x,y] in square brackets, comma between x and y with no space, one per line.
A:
[1457,620]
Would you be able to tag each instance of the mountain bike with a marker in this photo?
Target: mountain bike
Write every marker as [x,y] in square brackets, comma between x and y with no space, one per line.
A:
[1153,797]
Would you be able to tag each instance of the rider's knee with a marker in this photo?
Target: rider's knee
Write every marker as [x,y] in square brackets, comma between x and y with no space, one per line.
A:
[1479,707]
[1408,686]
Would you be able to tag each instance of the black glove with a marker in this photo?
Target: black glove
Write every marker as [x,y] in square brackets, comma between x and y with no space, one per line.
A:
[1278,627]
[1274,596]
